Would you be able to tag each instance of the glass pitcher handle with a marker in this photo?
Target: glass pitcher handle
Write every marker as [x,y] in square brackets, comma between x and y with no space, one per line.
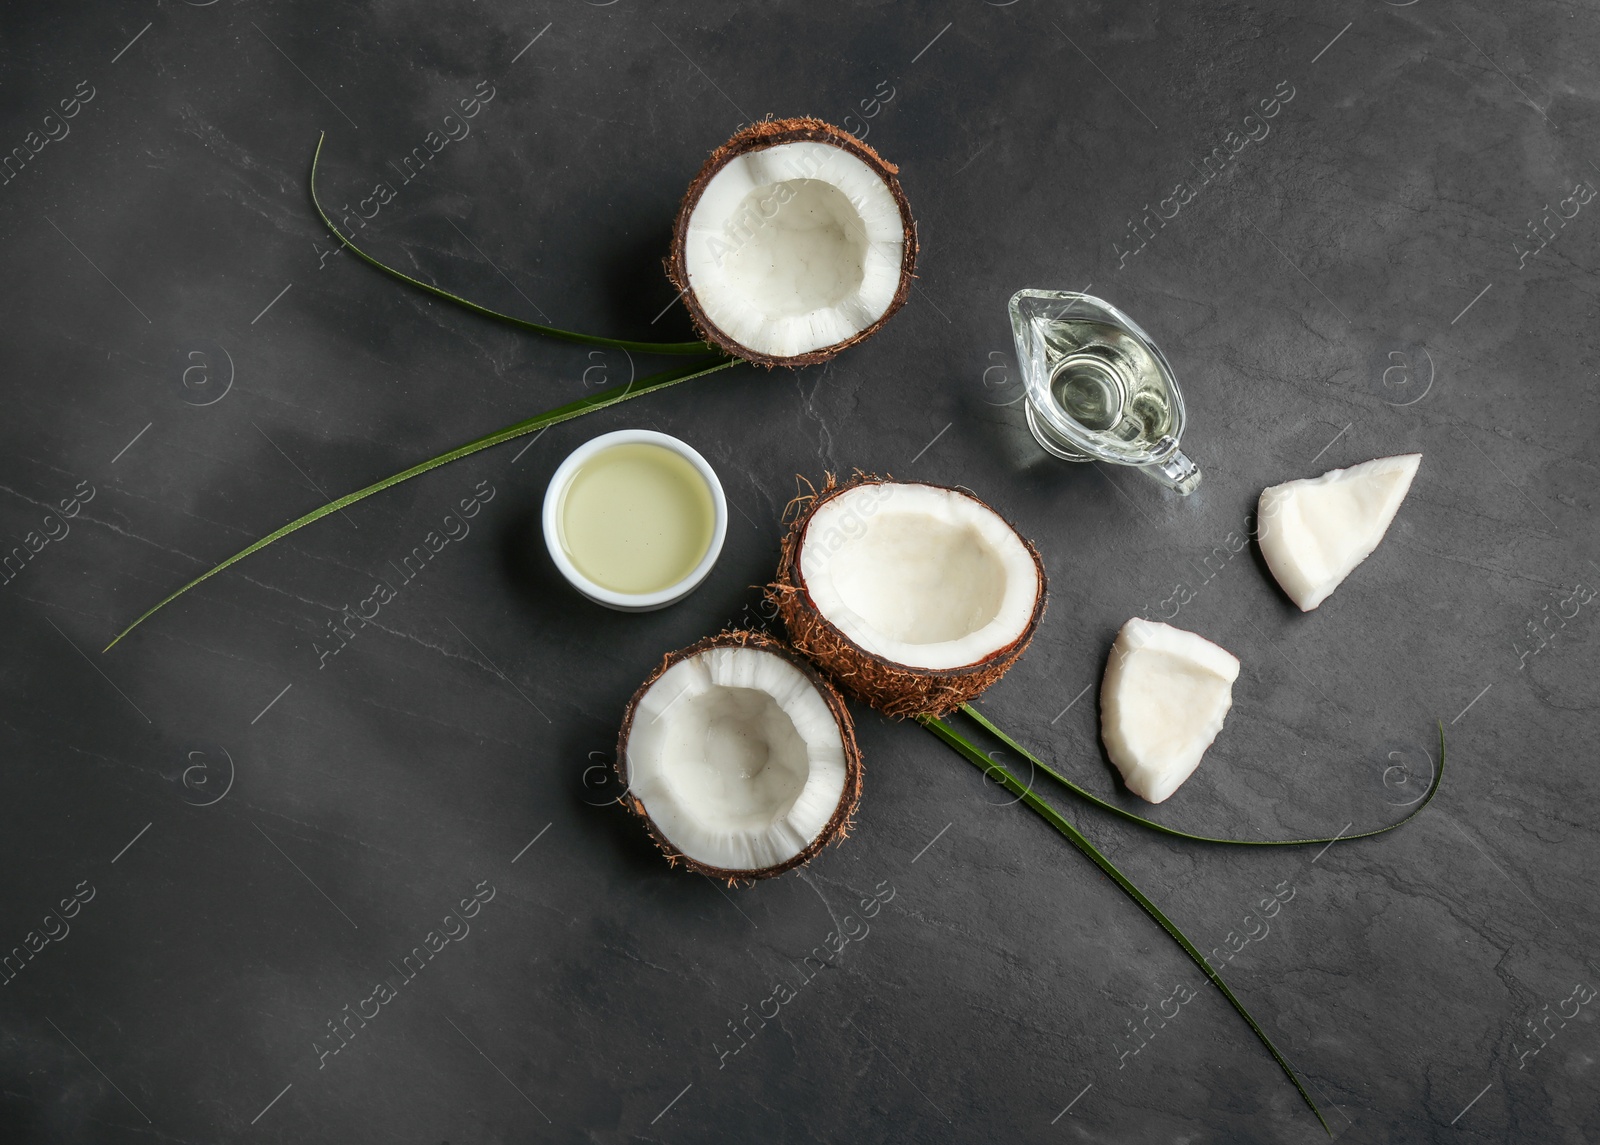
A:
[1176,471]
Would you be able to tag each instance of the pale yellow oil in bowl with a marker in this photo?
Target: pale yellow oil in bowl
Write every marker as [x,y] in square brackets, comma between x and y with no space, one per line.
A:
[636,518]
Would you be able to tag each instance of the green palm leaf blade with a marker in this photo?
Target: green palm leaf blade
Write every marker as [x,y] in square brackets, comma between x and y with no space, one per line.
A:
[1427,797]
[601,400]
[994,770]
[551,331]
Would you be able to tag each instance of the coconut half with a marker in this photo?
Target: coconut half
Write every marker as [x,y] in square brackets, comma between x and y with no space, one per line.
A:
[739,757]
[913,597]
[793,242]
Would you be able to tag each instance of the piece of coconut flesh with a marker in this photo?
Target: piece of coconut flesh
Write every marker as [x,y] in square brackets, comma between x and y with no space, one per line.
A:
[1315,531]
[795,247]
[737,759]
[1162,702]
[919,575]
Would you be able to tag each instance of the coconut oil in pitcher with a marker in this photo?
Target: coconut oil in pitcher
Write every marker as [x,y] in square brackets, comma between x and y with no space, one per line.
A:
[1106,381]
[1097,386]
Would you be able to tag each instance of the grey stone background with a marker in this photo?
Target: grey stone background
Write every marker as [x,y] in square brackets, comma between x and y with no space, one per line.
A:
[260,836]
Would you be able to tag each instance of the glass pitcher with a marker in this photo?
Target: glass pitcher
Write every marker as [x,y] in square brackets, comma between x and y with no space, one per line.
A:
[1098,387]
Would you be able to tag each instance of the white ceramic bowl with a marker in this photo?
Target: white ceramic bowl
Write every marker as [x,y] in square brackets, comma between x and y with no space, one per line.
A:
[555,493]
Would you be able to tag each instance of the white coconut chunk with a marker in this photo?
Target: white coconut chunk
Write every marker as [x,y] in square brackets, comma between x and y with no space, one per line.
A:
[736,757]
[918,575]
[1162,702]
[1315,531]
[794,248]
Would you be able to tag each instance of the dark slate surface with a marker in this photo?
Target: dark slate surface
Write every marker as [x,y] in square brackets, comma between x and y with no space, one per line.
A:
[261,836]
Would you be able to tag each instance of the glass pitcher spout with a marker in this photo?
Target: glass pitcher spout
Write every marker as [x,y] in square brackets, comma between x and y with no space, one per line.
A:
[1176,471]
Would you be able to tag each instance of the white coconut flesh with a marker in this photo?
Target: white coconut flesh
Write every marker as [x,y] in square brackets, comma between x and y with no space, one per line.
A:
[1315,531]
[1162,702]
[919,576]
[794,248]
[737,758]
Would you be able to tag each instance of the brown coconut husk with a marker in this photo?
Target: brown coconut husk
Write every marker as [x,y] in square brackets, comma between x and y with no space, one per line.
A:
[897,690]
[756,137]
[838,826]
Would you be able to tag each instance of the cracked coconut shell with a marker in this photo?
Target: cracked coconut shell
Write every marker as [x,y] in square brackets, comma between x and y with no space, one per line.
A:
[913,597]
[794,242]
[739,757]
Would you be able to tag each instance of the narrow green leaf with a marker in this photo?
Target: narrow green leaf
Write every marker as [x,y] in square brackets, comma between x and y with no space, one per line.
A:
[553,332]
[1433,789]
[994,770]
[555,416]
